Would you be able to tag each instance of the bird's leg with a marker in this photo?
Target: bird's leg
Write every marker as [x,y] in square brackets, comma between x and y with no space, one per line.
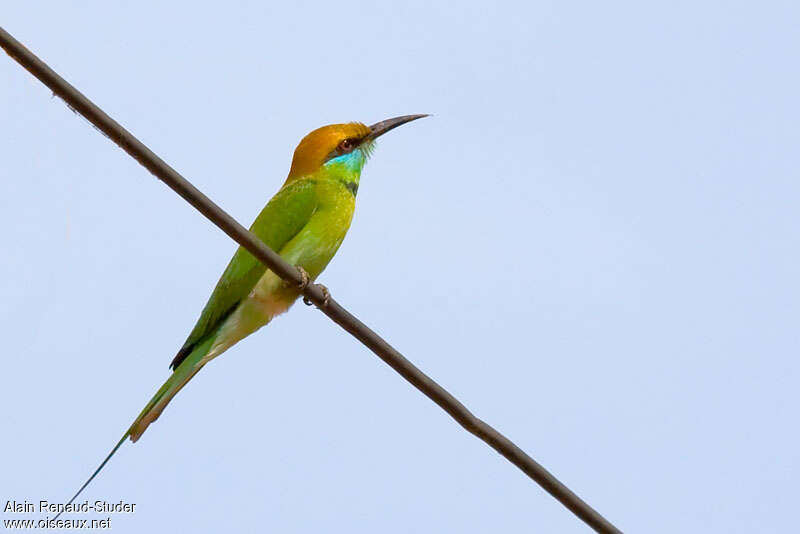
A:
[304,284]
[305,278]
[326,295]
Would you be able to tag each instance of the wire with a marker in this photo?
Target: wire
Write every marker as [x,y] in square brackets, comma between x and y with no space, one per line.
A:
[313,292]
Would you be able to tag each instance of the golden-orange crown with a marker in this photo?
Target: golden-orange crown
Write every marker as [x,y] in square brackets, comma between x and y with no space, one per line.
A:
[310,154]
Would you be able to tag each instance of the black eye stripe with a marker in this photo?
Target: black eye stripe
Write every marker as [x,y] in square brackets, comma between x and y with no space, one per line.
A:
[345,146]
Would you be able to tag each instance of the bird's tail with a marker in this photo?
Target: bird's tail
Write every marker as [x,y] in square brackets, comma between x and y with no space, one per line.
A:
[185,371]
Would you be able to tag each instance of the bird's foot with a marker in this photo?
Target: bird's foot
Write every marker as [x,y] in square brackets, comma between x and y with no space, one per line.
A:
[326,297]
[305,278]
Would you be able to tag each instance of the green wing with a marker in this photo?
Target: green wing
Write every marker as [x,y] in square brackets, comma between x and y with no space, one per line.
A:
[280,220]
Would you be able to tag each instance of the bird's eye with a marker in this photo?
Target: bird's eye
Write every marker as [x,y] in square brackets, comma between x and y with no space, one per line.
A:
[347,145]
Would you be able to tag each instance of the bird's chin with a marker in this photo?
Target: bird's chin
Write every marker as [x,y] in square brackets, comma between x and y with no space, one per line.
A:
[352,162]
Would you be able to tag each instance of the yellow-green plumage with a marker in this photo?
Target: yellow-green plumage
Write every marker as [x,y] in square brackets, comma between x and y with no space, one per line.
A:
[305,222]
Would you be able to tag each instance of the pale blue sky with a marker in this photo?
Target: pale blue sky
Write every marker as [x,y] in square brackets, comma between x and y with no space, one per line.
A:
[593,244]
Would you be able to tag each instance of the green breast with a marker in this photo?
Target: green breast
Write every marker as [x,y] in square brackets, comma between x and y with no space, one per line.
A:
[326,229]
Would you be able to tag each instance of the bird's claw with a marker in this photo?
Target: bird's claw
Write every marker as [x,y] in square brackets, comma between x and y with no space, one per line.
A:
[326,297]
[305,278]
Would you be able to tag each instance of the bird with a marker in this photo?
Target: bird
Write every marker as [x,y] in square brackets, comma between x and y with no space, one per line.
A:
[305,222]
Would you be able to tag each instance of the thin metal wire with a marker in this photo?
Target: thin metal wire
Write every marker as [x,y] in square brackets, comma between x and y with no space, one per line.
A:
[313,292]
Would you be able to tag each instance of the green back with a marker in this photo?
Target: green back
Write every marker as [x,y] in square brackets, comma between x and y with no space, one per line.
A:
[280,220]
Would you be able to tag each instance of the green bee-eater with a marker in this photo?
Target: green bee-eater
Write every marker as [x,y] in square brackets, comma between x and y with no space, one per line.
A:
[305,222]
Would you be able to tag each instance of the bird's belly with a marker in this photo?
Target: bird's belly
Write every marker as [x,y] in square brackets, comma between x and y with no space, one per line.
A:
[271,296]
[312,248]
[268,299]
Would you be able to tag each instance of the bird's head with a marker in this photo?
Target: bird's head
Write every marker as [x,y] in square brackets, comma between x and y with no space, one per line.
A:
[346,146]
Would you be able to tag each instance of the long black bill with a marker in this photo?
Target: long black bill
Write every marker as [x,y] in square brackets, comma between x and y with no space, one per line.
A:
[380,128]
